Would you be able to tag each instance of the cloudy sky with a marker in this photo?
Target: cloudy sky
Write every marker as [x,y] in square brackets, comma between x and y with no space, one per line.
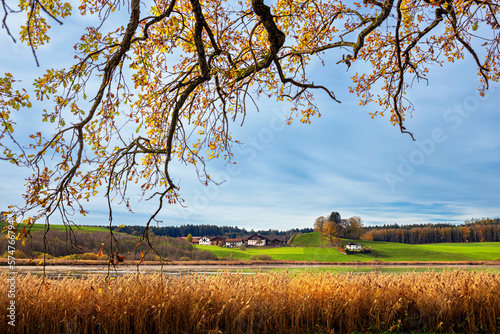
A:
[286,176]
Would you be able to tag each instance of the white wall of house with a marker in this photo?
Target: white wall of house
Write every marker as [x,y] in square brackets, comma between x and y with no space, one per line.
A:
[353,247]
[256,242]
[234,243]
[204,241]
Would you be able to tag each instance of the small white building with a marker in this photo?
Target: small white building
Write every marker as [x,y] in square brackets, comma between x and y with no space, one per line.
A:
[351,246]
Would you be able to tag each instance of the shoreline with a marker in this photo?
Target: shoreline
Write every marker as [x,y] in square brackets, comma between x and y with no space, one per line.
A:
[241,263]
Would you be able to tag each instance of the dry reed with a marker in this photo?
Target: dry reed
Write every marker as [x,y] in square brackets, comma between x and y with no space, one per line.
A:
[453,301]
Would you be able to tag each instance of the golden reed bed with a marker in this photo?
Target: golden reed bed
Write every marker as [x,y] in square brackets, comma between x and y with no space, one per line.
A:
[452,301]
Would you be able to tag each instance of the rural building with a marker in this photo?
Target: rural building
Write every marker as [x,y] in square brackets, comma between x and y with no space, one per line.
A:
[276,240]
[211,241]
[265,240]
[351,246]
[255,240]
[215,241]
[236,242]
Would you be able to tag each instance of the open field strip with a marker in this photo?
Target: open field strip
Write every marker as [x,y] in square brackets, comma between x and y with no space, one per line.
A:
[481,251]
[452,301]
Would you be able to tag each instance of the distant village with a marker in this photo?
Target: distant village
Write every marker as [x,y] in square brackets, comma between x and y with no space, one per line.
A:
[249,240]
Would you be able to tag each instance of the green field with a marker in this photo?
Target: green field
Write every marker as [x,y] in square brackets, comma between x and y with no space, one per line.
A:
[479,250]
[309,240]
[307,248]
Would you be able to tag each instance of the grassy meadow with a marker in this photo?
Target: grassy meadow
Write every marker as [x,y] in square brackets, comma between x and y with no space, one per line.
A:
[449,302]
[310,247]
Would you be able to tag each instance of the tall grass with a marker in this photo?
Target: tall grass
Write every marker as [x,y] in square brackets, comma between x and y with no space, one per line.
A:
[452,301]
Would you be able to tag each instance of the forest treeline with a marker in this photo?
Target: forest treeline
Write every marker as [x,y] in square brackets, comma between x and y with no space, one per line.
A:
[473,230]
[206,230]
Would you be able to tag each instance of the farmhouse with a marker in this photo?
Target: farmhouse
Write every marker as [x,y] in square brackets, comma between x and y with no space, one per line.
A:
[205,241]
[276,240]
[235,242]
[212,241]
[255,240]
[216,241]
[351,246]
[265,240]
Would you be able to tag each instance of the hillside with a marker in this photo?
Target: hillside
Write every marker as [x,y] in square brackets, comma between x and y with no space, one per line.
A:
[308,240]
[86,242]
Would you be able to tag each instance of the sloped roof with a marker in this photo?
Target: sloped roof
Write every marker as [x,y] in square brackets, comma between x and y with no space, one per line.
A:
[216,237]
[246,237]
[234,240]
[281,238]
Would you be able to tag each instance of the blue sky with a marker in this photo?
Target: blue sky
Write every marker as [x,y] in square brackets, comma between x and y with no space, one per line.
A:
[286,176]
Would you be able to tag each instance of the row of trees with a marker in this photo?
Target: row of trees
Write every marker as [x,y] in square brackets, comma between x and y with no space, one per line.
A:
[475,230]
[203,230]
[334,227]
[467,222]
[482,221]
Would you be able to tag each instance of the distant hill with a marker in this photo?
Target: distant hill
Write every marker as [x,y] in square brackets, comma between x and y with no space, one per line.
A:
[312,239]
